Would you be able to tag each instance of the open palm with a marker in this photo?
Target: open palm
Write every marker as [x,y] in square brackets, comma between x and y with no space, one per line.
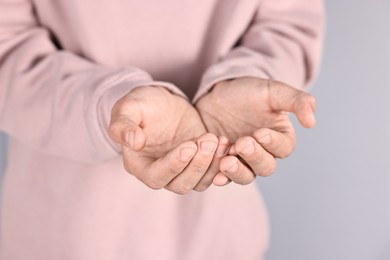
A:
[164,142]
[253,114]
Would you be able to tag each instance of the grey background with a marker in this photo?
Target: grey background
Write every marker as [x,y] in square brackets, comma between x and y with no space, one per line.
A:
[331,199]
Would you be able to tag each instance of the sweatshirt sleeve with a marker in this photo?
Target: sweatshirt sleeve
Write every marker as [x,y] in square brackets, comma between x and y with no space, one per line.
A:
[55,101]
[283,42]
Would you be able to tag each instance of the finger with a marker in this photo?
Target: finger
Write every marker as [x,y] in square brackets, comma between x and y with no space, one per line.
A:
[124,126]
[279,144]
[259,160]
[232,150]
[157,174]
[236,171]
[207,179]
[125,131]
[221,180]
[200,163]
[286,98]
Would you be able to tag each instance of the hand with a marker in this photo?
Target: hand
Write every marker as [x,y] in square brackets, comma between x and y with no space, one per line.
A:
[252,113]
[160,134]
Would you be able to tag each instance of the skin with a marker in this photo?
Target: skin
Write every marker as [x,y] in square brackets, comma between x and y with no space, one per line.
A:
[168,143]
[164,142]
[252,113]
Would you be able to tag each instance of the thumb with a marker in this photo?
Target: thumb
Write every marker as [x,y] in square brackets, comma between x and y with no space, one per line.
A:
[125,130]
[283,97]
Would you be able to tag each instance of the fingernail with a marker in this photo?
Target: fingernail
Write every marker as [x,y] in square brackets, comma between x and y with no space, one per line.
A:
[265,139]
[187,153]
[233,167]
[208,147]
[130,138]
[221,150]
[249,148]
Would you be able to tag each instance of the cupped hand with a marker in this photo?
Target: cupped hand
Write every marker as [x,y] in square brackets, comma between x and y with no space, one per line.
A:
[164,142]
[253,114]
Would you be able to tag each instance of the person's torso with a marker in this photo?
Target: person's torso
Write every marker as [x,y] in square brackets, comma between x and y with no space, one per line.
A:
[173,40]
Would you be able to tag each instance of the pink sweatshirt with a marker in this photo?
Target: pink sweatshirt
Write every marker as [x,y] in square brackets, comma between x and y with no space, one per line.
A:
[64,63]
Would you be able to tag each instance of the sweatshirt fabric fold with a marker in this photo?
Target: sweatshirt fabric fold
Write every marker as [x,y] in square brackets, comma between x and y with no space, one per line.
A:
[65,63]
